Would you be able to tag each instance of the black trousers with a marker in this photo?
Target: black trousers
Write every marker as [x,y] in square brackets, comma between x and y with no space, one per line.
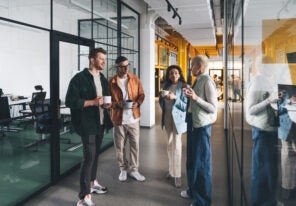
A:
[91,148]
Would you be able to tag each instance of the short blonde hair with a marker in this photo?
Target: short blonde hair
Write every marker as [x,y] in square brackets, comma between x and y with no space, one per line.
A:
[200,60]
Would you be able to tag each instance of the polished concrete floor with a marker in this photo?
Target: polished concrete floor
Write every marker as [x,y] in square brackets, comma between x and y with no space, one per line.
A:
[156,190]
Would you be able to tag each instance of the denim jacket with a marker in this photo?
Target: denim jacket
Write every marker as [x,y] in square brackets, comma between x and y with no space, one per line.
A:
[178,110]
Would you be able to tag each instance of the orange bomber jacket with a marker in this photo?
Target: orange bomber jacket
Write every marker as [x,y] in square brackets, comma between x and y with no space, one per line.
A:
[135,93]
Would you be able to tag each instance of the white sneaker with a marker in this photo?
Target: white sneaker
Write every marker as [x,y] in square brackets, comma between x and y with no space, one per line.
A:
[185,195]
[97,188]
[86,201]
[137,176]
[123,175]
[80,203]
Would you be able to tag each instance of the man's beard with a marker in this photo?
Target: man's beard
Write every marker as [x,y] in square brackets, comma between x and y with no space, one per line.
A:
[98,68]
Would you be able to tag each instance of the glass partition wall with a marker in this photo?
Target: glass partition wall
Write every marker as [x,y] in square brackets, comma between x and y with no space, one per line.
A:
[39,56]
[24,148]
[118,36]
[130,37]
[261,76]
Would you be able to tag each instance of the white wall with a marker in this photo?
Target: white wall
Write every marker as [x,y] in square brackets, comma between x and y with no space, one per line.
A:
[147,56]
[24,58]
[25,51]
[147,48]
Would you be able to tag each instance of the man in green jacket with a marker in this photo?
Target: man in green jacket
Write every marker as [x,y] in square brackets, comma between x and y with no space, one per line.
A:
[90,116]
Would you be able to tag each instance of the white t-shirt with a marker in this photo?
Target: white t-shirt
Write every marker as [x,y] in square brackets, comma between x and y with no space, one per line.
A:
[97,80]
[127,116]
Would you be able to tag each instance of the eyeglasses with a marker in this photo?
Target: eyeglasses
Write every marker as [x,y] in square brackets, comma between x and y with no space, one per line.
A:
[124,66]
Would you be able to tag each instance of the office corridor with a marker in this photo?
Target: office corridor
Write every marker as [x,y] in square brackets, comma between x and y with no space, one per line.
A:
[156,190]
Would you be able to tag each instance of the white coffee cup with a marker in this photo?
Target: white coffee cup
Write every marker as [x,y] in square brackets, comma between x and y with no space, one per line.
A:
[165,92]
[128,104]
[107,99]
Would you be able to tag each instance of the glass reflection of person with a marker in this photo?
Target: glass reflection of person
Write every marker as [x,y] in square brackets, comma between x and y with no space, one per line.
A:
[286,132]
[173,108]
[236,87]
[264,134]
[216,80]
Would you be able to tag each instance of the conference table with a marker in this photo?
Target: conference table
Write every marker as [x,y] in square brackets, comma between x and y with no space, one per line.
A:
[16,106]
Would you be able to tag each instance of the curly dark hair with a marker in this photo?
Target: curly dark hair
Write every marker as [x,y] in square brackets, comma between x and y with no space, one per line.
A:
[167,76]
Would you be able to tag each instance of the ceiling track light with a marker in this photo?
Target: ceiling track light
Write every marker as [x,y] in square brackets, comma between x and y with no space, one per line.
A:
[175,10]
[175,13]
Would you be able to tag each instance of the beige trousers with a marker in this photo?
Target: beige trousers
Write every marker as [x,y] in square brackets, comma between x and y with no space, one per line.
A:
[122,133]
[174,148]
[288,164]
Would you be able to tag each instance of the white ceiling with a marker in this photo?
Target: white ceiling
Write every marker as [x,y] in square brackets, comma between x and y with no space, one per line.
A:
[197,22]
[272,12]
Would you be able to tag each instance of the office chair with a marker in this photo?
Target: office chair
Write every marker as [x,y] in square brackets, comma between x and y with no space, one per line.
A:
[5,118]
[38,97]
[41,115]
[4,114]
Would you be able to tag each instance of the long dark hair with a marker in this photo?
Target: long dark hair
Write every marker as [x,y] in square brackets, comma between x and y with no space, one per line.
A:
[168,82]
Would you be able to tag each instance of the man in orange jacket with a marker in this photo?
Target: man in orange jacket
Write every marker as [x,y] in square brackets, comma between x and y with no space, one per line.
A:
[127,96]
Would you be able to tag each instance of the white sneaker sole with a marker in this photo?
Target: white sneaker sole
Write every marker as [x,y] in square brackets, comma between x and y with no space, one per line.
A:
[140,180]
[98,191]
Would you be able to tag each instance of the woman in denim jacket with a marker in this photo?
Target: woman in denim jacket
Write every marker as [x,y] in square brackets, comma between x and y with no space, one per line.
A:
[173,104]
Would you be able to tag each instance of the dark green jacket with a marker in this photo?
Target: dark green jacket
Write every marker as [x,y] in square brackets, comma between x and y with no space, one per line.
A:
[86,120]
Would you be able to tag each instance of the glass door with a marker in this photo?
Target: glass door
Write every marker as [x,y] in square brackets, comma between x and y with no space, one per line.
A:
[71,56]
[72,59]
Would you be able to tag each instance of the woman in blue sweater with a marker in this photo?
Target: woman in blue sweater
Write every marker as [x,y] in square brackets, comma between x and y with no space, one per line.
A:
[173,104]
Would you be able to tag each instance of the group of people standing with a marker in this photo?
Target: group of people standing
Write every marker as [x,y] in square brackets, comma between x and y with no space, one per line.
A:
[191,109]
[91,116]
[185,109]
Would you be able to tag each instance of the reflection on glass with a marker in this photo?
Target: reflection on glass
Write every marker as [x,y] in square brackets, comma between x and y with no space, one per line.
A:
[262,118]
[268,31]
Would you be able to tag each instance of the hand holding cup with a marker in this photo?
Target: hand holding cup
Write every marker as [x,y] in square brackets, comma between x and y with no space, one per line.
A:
[164,93]
[98,101]
[128,104]
[107,102]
